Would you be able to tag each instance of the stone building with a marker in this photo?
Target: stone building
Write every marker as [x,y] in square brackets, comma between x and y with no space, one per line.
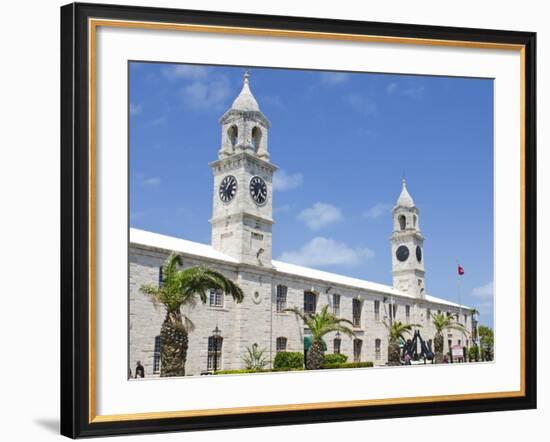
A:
[241,248]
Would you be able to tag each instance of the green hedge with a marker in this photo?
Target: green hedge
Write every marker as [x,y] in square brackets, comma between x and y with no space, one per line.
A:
[335,358]
[349,365]
[288,360]
[239,371]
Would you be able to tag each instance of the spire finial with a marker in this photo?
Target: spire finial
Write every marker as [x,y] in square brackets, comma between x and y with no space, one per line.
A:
[404,179]
[245,100]
[405,199]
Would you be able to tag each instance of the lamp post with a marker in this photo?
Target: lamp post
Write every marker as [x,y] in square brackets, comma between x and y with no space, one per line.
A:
[216,333]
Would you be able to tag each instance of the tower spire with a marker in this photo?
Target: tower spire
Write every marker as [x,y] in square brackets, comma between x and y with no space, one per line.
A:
[245,101]
[405,198]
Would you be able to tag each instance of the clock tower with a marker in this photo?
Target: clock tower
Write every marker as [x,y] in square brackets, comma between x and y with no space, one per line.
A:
[407,246]
[243,183]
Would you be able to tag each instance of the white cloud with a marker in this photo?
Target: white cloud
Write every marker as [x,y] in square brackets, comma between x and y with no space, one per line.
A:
[159,121]
[283,181]
[135,109]
[484,291]
[322,251]
[184,71]
[282,209]
[485,308]
[334,78]
[415,91]
[151,181]
[377,210]
[320,215]
[364,105]
[207,95]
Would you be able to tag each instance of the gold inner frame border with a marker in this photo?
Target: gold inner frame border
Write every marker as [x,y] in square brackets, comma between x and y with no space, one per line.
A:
[93,24]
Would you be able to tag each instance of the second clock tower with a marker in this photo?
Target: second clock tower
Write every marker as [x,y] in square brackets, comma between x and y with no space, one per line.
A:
[243,183]
[407,246]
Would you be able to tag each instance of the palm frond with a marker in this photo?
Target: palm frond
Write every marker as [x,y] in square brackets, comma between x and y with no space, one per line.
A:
[198,280]
[180,287]
[171,266]
[323,322]
[154,293]
[458,327]
[299,313]
[397,330]
[340,328]
[443,322]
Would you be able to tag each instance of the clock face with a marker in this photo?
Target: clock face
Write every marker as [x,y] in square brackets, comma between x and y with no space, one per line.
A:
[402,253]
[418,253]
[258,190]
[228,188]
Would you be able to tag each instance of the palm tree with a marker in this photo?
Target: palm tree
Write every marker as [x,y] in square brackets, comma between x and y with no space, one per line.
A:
[180,287]
[396,333]
[320,324]
[443,322]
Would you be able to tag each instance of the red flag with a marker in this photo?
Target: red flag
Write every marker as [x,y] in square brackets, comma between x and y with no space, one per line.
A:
[460,270]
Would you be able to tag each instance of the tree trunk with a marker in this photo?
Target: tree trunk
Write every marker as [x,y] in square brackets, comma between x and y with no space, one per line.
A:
[394,353]
[438,348]
[315,356]
[174,341]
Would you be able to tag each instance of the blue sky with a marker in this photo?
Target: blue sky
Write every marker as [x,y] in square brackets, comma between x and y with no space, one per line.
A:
[342,142]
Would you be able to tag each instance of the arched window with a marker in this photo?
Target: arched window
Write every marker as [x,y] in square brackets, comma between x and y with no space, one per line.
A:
[256,138]
[214,361]
[281,344]
[215,298]
[402,222]
[356,313]
[377,349]
[414,220]
[357,344]
[310,300]
[156,355]
[337,346]
[233,134]
[281,298]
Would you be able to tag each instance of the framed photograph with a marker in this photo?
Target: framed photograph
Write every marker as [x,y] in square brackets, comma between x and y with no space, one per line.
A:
[274,220]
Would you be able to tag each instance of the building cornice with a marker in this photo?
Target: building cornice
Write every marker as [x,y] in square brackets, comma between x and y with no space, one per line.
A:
[235,159]
[247,115]
[240,216]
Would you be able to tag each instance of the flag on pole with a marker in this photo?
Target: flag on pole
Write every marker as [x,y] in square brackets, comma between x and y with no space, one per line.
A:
[460,270]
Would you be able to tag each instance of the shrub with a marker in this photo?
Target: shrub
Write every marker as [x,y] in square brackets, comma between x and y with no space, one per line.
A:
[239,371]
[254,358]
[288,360]
[335,358]
[349,365]
[288,369]
[473,353]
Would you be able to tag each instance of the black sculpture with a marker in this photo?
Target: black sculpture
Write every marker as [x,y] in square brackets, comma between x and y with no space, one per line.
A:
[410,352]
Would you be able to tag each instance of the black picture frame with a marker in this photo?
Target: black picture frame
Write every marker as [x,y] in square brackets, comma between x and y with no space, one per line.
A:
[75,221]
